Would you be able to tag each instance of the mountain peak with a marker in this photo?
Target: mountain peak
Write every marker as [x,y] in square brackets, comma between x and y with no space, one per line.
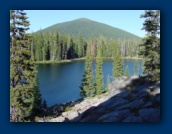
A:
[83,19]
[88,28]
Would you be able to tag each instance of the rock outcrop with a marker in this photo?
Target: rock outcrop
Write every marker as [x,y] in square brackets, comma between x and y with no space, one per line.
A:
[125,102]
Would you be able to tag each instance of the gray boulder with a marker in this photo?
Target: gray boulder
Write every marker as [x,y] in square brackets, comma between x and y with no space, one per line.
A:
[70,114]
[123,94]
[120,84]
[114,102]
[114,116]
[132,105]
[58,119]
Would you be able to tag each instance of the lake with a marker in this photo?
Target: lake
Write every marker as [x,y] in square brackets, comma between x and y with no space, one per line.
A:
[59,82]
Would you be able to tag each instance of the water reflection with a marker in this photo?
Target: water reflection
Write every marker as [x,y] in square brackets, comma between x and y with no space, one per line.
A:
[59,83]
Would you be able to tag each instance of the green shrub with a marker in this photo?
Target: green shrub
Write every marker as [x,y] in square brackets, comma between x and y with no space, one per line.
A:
[67,108]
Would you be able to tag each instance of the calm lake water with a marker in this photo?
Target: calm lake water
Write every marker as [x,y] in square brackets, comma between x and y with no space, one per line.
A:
[59,83]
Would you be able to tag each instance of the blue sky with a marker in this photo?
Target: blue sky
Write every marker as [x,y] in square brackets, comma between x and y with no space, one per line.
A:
[128,20]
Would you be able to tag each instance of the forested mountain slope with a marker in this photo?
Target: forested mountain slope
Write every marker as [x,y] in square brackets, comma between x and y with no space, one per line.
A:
[87,28]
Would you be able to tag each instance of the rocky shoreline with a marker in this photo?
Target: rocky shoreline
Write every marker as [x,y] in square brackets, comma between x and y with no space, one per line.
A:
[128,100]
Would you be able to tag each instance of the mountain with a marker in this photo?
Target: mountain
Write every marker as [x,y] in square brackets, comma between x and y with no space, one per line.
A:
[88,28]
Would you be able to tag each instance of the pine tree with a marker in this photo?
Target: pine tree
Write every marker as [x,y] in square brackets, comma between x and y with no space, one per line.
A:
[44,104]
[80,44]
[55,46]
[58,47]
[117,63]
[46,45]
[37,98]
[63,46]
[126,71]
[99,73]
[24,93]
[70,52]
[151,44]
[40,47]
[107,83]
[88,85]
[52,46]
[38,44]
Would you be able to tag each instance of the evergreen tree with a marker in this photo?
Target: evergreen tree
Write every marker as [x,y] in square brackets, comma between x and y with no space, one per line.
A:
[88,85]
[37,98]
[63,42]
[117,63]
[37,48]
[84,48]
[52,46]
[44,104]
[24,92]
[46,45]
[151,44]
[40,47]
[58,49]
[127,71]
[80,44]
[99,73]
[107,83]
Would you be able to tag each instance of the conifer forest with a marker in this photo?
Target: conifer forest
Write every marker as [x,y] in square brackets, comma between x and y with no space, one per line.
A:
[84,47]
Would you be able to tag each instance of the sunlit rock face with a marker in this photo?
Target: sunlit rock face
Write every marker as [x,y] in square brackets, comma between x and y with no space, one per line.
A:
[125,102]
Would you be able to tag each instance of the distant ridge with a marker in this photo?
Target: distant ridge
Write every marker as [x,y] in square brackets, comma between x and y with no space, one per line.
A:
[88,28]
